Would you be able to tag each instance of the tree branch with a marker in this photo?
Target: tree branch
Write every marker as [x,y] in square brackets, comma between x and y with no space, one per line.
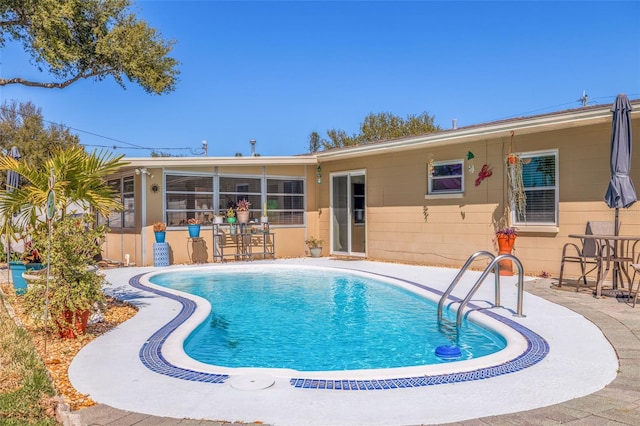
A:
[61,85]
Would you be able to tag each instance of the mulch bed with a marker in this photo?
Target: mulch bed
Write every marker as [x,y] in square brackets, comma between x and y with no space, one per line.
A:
[58,353]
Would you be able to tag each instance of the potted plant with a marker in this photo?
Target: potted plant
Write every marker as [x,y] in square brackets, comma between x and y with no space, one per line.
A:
[159,229]
[73,288]
[515,185]
[315,246]
[69,177]
[193,226]
[505,239]
[231,215]
[242,210]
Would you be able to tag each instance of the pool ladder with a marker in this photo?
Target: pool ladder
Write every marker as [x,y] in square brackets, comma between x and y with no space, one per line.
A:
[493,265]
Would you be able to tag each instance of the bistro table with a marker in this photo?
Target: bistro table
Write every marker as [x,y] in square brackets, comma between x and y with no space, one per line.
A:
[616,250]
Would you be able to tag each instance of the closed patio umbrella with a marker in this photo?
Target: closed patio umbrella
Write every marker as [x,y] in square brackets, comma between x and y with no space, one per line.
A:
[621,192]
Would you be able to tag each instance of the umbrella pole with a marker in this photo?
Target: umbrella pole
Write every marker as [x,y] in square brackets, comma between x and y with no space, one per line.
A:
[614,282]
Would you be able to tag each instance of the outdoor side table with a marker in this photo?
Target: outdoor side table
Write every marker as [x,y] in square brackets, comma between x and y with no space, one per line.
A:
[160,254]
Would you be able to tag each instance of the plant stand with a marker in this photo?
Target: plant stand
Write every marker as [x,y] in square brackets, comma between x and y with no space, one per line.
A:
[161,254]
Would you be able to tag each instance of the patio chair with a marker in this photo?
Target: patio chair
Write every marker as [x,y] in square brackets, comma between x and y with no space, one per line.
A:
[634,293]
[589,254]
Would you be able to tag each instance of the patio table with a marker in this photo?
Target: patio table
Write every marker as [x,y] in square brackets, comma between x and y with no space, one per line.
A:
[622,254]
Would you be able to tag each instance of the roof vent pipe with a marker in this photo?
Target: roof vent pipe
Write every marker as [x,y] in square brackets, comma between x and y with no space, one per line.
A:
[253,147]
[454,123]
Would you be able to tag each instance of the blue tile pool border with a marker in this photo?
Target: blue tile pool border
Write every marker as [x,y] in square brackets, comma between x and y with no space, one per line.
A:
[151,353]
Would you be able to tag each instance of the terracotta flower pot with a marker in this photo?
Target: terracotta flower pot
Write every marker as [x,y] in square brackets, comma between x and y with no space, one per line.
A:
[505,246]
[70,327]
[243,216]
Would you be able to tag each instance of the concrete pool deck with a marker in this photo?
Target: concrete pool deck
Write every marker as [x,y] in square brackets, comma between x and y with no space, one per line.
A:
[577,380]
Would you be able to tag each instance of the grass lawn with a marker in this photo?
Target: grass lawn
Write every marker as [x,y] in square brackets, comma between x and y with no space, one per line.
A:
[34,362]
[26,391]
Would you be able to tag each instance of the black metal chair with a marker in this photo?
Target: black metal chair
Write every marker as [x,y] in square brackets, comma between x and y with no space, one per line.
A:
[634,293]
[589,253]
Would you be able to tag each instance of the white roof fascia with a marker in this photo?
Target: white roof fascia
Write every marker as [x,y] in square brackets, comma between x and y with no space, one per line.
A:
[176,162]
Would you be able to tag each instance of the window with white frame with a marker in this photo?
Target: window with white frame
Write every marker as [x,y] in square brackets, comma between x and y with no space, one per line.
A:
[194,196]
[285,201]
[236,188]
[540,180]
[446,177]
[189,197]
[124,190]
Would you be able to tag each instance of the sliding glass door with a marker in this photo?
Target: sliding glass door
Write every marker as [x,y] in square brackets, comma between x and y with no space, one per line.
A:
[348,213]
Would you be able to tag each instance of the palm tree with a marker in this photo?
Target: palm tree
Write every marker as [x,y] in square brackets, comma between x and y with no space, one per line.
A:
[75,177]
[69,243]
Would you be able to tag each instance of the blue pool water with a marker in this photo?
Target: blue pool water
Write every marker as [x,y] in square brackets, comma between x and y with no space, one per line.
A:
[317,319]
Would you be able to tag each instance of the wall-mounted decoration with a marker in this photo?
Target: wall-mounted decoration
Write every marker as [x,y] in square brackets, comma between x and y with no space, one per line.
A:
[470,158]
[515,185]
[485,172]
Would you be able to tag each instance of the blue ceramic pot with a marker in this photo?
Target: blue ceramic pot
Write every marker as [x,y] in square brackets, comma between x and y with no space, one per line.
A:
[194,231]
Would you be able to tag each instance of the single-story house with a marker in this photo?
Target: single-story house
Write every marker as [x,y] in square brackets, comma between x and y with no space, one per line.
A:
[435,198]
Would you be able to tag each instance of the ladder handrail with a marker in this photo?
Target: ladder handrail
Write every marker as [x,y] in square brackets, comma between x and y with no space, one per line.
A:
[464,268]
[475,287]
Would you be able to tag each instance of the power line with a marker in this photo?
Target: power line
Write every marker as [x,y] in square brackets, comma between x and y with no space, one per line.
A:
[129,144]
[582,100]
[133,146]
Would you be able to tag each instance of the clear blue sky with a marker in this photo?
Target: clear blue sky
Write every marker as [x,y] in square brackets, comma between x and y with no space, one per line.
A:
[277,71]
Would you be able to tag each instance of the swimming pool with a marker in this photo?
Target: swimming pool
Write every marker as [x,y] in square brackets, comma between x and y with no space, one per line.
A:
[164,353]
[315,319]
[144,356]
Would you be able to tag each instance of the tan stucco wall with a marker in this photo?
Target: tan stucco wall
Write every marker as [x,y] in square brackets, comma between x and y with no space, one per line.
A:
[138,242]
[404,225]
[455,228]
[118,245]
